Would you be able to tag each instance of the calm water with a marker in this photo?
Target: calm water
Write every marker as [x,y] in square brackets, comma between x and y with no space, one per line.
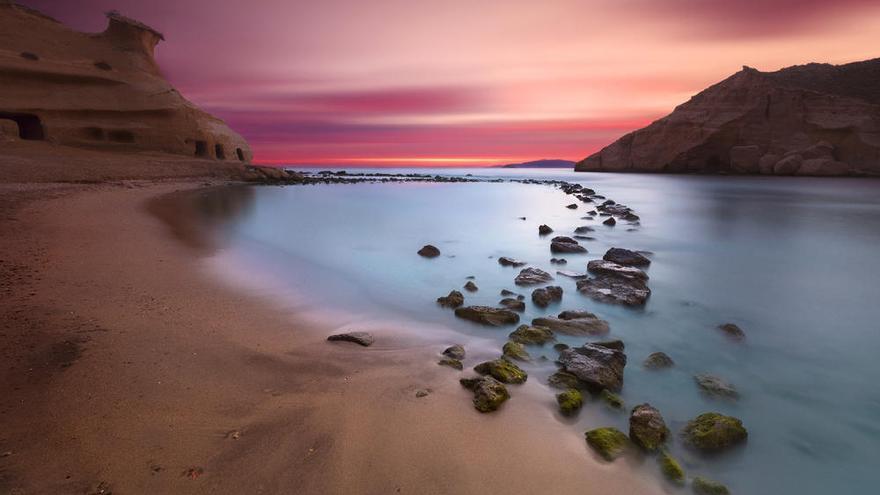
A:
[792,261]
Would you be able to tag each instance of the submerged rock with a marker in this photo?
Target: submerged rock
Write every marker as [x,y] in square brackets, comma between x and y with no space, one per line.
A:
[558,261]
[597,367]
[515,350]
[451,362]
[714,386]
[544,230]
[603,267]
[626,257]
[584,229]
[670,468]
[611,399]
[453,300]
[362,338]
[658,360]
[505,261]
[512,304]
[502,370]
[529,335]
[570,401]
[508,293]
[608,442]
[647,428]
[713,431]
[615,290]
[532,276]
[470,286]
[429,251]
[586,324]
[486,315]
[455,351]
[489,393]
[703,486]
[545,295]
[732,331]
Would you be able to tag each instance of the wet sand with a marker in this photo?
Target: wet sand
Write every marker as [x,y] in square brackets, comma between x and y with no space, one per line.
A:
[128,368]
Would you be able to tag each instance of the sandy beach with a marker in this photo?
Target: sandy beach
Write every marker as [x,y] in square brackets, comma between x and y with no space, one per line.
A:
[131,370]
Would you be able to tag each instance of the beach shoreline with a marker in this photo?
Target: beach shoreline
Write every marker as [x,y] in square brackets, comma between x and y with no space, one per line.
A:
[132,370]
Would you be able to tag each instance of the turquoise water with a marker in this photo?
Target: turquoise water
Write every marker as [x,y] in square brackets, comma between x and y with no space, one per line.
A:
[790,260]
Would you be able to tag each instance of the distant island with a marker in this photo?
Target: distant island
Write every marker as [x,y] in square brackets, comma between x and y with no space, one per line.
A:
[814,119]
[545,163]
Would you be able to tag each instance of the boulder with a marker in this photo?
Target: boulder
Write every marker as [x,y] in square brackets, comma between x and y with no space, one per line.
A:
[502,370]
[470,286]
[597,367]
[505,261]
[545,295]
[608,442]
[658,360]
[604,267]
[562,244]
[670,468]
[362,338]
[703,486]
[615,290]
[453,300]
[486,315]
[515,350]
[544,230]
[732,331]
[713,431]
[532,276]
[647,428]
[589,324]
[714,386]
[429,251]
[529,335]
[626,257]
[455,351]
[570,401]
[489,393]
[512,304]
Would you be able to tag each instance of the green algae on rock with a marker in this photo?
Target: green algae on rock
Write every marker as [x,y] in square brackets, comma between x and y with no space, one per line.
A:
[502,370]
[564,380]
[703,486]
[515,350]
[529,335]
[489,393]
[611,399]
[658,361]
[647,429]
[713,431]
[451,362]
[570,401]
[608,442]
[670,468]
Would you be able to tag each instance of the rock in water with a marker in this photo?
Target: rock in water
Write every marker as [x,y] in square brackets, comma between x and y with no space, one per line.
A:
[670,468]
[714,386]
[453,300]
[608,442]
[486,315]
[647,428]
[597,367]
[583,229]
[703,486]
[513,304]
[470,286]
[363,338]
[489,393]
[732,331]
[429,251]
[455,351]
[515,350]
[545,295]
[792,121]
[713,431]
[505,261]
[544,230]
[532,276]
[611,399]
[570,401]
[572,206]
[616,290]
[603,267]
[625,257]
[563,244]
[502,370]
[451,362]
[583,325]
[658,360]
[610,221]
[611,344]
[527,335]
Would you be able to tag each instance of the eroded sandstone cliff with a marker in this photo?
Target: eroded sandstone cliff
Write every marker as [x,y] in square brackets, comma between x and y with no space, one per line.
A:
[815,119]
[99,91]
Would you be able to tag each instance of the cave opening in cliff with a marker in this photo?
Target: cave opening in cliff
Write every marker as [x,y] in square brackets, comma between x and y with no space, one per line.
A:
[240,154]
[201,148]
[29,125]
[219,152]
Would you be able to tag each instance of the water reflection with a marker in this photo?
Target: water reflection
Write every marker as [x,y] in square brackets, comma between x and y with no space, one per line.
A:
[203,219]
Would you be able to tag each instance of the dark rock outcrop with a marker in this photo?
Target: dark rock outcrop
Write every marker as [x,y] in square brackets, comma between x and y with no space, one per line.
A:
[453,300]
[575,323]
[532,276]
[563,244]
[487,315]
[513,304]
[505,261]
[545,295]
[616,290]
[596,366]
[489,393]
[429,251]
[647,428]
[544,230]
[815,119]
[626,257]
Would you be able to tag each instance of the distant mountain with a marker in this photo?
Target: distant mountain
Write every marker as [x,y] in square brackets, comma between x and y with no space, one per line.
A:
[541,164]
[814,119]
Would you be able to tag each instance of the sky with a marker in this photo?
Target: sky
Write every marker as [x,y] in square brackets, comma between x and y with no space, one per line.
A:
[467,82]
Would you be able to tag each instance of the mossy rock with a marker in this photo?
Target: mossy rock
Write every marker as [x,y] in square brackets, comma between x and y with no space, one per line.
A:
[489,393]
[570,401]
[502,370]
[658,361]
[451,362]
[515,350]
[713,431]
[529,335]
[703,486]
[670,468]
[608,442]
[647,429]
[611,399]
[564,380]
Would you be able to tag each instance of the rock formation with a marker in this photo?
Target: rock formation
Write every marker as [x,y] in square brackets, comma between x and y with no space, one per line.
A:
[100,91]
[815,119]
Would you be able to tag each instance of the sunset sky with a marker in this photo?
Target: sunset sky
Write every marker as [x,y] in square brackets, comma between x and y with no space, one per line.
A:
[388,82]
